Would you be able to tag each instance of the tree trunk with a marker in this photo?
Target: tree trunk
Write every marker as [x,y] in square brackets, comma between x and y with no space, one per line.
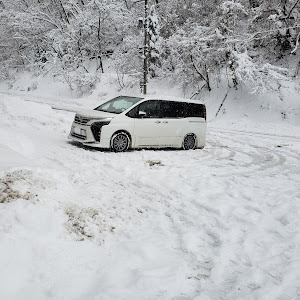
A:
[63,12]
[145,48]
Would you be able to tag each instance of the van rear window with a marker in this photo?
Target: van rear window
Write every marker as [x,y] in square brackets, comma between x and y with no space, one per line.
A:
[172,109]
[195,110]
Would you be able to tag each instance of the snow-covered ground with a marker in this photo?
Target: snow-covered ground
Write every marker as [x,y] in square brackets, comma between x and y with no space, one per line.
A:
[80,223]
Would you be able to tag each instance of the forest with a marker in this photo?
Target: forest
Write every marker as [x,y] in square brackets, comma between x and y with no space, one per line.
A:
[193,43]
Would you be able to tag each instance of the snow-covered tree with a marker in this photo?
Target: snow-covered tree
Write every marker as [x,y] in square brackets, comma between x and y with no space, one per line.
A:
[153,33]
[192,42]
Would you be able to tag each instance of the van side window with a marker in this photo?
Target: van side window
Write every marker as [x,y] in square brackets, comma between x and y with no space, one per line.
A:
[149,109]
[194,110]
[172,109]
[133,113]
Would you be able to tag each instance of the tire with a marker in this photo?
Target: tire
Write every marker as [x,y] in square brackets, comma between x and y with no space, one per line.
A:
[189,142]
[120,142]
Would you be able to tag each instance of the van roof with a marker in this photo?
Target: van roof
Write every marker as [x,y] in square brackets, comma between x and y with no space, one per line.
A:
[168,98]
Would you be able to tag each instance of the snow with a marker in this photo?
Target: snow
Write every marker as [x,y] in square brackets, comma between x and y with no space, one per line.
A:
[81,223]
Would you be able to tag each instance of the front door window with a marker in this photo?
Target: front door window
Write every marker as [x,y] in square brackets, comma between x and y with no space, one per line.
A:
[149,109]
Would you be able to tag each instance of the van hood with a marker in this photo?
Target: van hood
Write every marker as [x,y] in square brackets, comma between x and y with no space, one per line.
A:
[95,114]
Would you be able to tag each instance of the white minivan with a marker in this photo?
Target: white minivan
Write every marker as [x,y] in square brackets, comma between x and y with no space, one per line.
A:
[142,122]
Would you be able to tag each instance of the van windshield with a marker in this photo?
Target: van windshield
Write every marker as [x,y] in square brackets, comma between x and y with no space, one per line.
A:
[118,104]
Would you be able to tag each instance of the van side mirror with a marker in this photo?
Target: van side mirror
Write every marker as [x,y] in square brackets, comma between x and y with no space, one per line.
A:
[142,114]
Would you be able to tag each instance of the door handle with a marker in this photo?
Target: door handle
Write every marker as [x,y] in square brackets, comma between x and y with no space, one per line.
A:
[157,122]
[165,122]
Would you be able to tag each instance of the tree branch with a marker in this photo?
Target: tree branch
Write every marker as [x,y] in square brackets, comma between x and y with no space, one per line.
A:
[204,78]
[289,14]
[297,44]
[197,70]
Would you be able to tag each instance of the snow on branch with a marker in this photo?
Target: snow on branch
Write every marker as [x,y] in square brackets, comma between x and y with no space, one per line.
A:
[261,78]
[297,44]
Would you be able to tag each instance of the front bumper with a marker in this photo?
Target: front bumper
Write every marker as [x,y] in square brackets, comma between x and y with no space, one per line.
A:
[89,138]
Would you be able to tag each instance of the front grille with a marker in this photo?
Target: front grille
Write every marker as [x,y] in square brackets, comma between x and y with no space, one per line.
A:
[81,120]
[79,136]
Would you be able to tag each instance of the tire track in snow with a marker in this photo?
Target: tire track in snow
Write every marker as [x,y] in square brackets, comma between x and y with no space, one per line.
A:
[261,158]
[264,161]
[211,210]
[254,133]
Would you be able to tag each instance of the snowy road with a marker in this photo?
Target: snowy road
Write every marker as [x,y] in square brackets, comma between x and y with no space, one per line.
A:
[77,223]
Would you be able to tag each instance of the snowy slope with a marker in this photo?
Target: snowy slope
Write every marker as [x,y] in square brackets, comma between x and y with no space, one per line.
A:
[77,223]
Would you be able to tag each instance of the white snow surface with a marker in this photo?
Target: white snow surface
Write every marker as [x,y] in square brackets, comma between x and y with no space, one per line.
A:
[81,223]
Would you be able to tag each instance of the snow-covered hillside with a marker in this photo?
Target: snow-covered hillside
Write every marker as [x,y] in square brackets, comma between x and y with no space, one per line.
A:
[77,223]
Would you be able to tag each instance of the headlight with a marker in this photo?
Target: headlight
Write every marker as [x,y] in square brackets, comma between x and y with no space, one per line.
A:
[96,128]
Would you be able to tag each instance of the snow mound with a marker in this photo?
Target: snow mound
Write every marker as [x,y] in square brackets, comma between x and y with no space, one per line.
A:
[87,223]
[9,190]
